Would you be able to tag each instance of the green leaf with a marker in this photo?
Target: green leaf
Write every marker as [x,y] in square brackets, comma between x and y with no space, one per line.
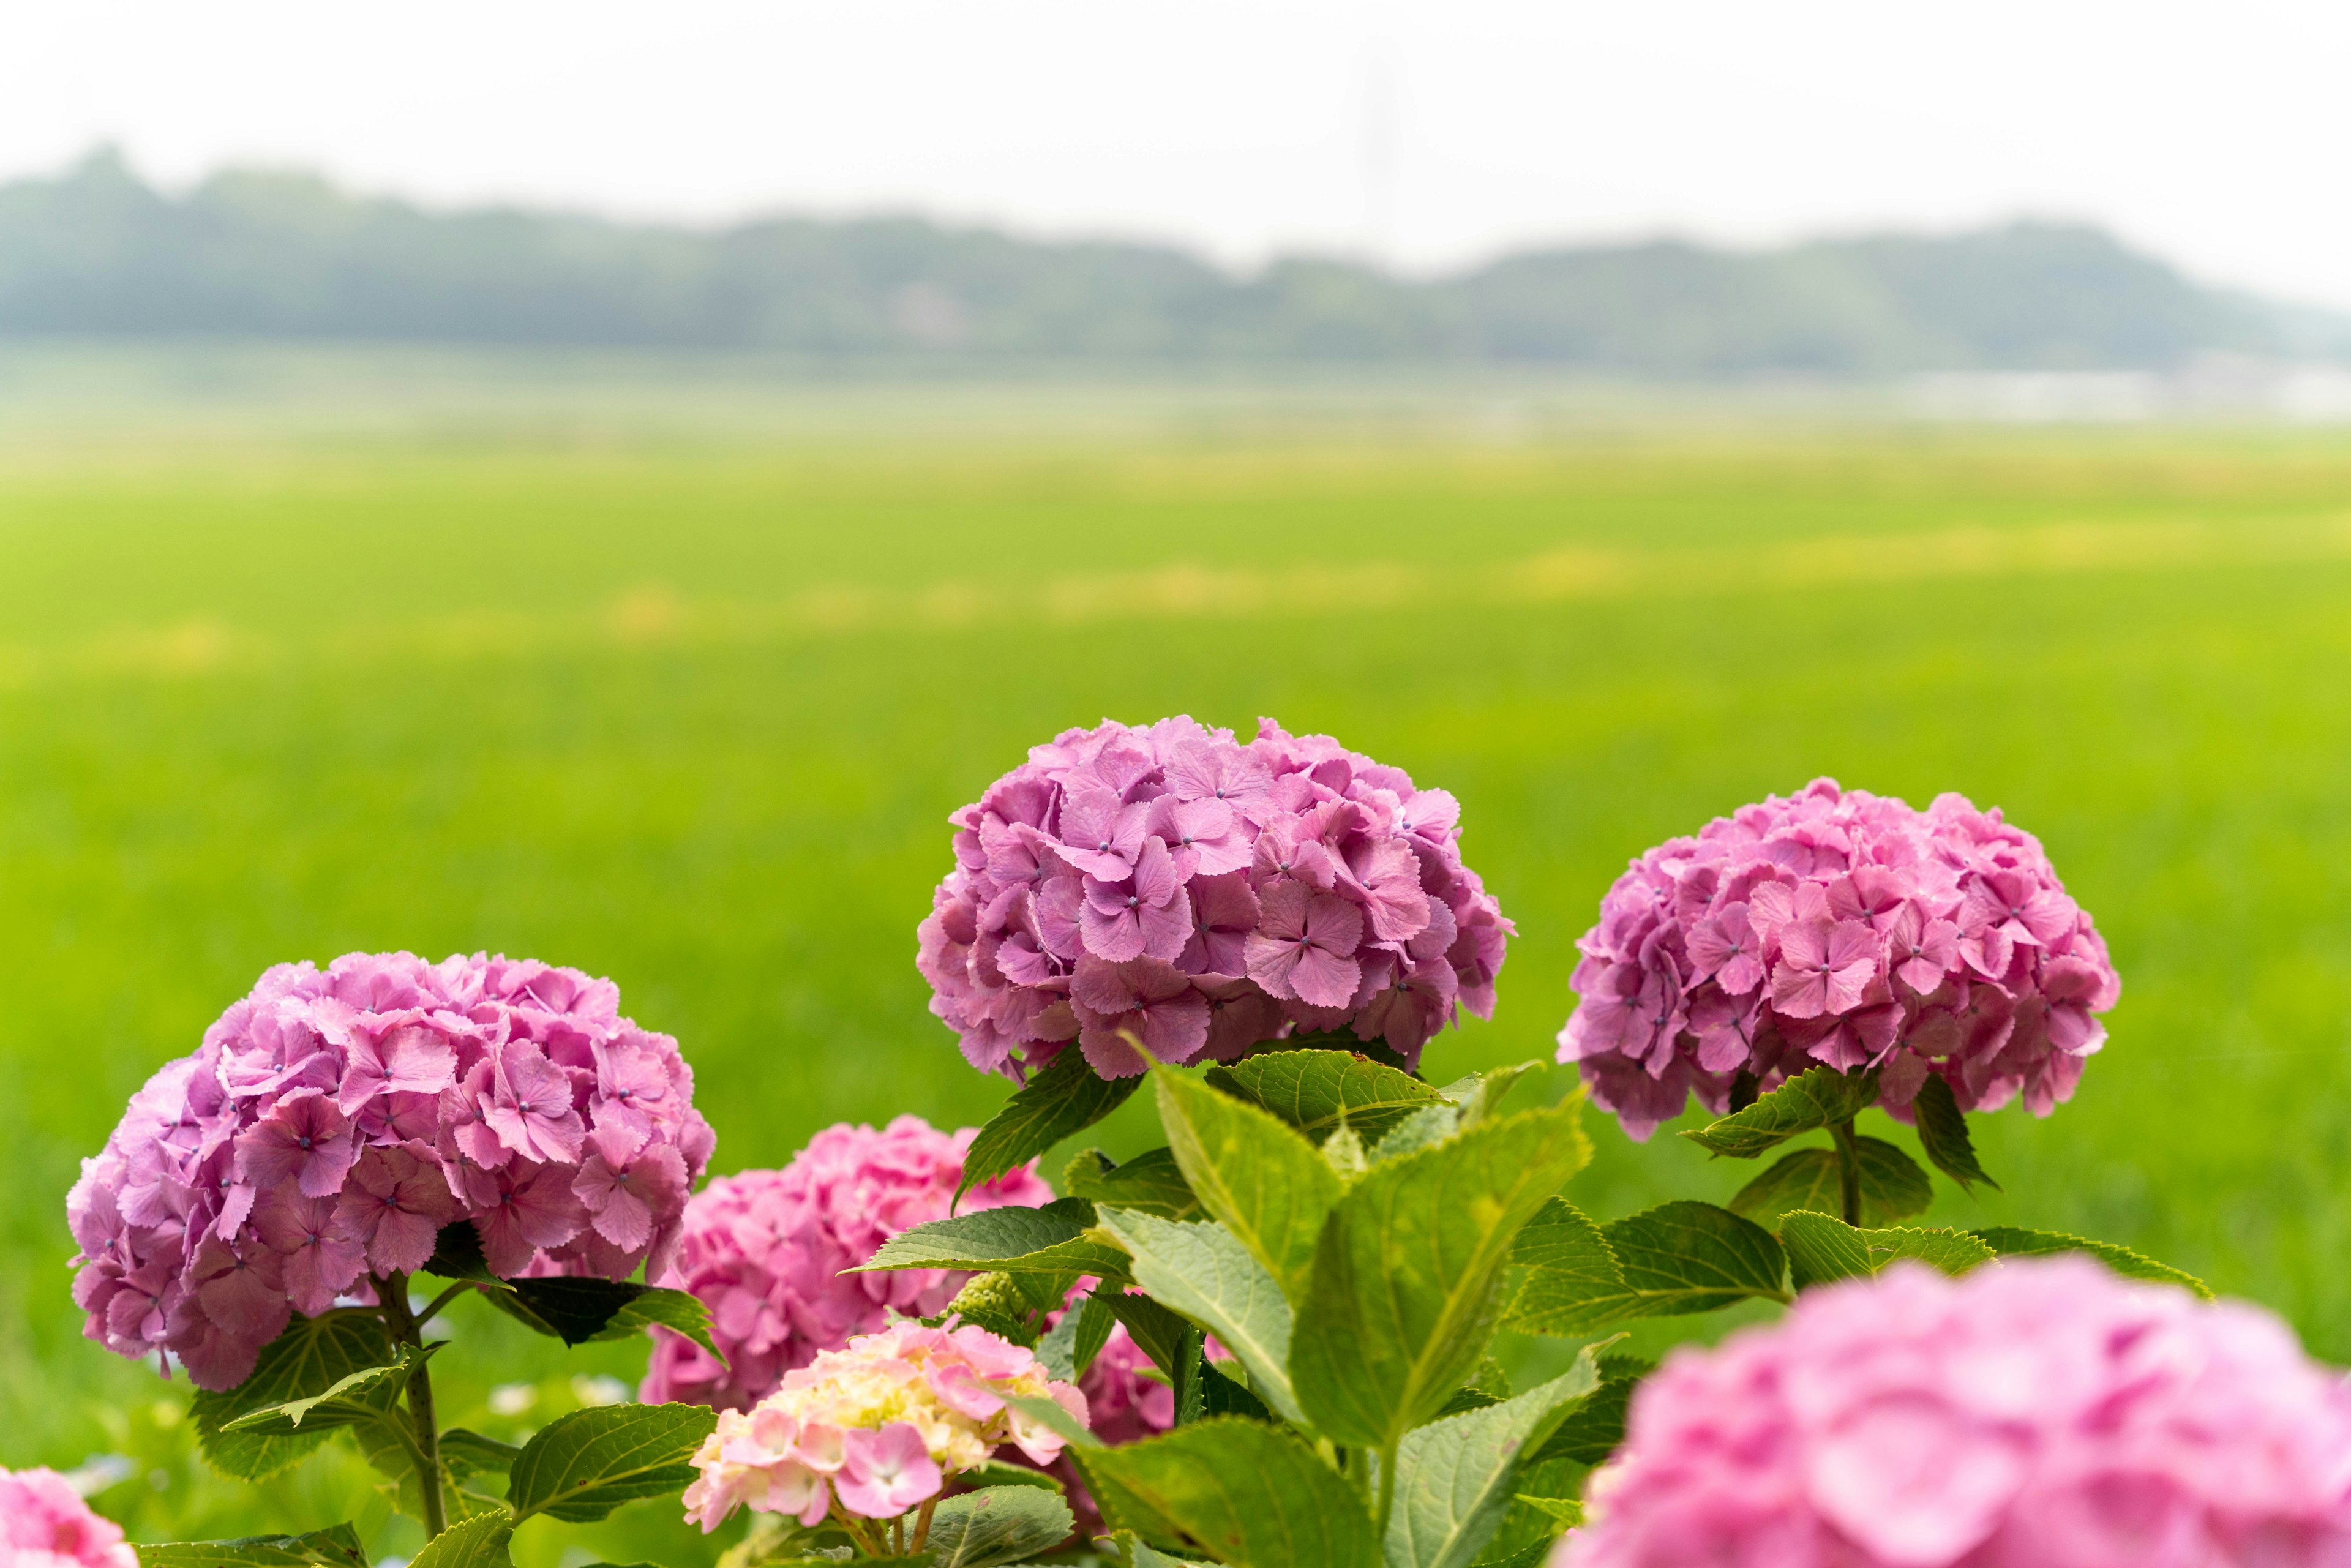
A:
[1065,1098]
[457,1255]
[1317,1092]
[311,1356]
[1893,1188]
[1566,1509]
[1054,1240]
[1524,1557]
[1222,1395]
[1423,1129]
[1255,1175]
[1822,1249]
[580,1309]
[997,1524]
[363,1395]
[337,1546]
[1479,1095]
[1594,1429]
[2009,1241]
[1201,1271]
[1818,1097]
[1343,1152]
[1129,1550]
[998,1473]
[1943,1133]
[468,1454]
[1408,1279]
[1235,1491]
[583,1466]
[1156,1332]
[1455,1477]
[1151,1182]
[478,1543]
[1678,1258]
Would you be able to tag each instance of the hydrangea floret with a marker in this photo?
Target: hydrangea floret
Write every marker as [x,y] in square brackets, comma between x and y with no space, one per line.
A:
[875,1429]
[1841,927]
[2033,1413]
[768,1252]
[44,1523]
[333,1121]
[1172,894]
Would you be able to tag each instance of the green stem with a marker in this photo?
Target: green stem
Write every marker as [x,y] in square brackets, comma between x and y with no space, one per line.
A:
[1387,1492]
[441,1301]
[408,1329]
[1848,1171]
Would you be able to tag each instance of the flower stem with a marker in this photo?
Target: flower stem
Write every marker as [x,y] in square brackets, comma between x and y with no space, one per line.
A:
[923,1523]
[391,1290]
[1848,1171]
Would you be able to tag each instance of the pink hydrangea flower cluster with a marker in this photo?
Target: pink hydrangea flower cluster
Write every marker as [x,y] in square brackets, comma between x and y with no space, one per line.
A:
[879,1425]
[334,1120]
[1171,892]
[1841,927]
[2036,1413]
[44,1523]
[765,1250]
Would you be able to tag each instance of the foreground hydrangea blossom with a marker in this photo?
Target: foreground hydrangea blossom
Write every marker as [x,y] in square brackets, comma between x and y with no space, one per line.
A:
[335,1119]
[44,1523]
[765,1250]
[2036,1413]
[1840,928]
[1170,892]
[878,1426]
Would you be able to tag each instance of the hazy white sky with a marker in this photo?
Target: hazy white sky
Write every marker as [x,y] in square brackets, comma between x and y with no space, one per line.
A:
[1435,131]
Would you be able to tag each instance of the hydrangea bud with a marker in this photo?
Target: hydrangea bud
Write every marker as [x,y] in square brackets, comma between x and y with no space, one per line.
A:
[2038,1413]
[1841,927]
[1172,893]
[334,1120]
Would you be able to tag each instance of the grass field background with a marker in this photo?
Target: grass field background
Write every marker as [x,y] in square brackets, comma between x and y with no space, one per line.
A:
[691,712]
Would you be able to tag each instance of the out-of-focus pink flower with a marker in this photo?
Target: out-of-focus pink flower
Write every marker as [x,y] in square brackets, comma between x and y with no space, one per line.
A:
[334,1120]
[765,1250]
[1283,868]
[44,1523]
[1844,928]
[2036,1413]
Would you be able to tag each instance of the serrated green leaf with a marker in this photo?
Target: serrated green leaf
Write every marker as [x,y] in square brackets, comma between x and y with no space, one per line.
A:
[1256,1175]
[1678,1258]
[2010,1241]
[1893,1188]
[1317,1092]
[457,1255]
[997,1524]
[1568,1263]
[1047,1240]
[337,1546]
[1822,1249]
[583,1466]
[478,1543]
[581,1309]
[1223,1394]
[1943,1133]
[1409,1278]
[469,1454]
[1201,1271]
[1455,1477]
[1064,1099]
[363,1396]
[1952,1251]
[1566,1509]
[998,1473]
[1425,1128]
[1818,1097]
[310,1357]
[1151,1182]
[1592,1430]
[1479,1095]
[1235,1491]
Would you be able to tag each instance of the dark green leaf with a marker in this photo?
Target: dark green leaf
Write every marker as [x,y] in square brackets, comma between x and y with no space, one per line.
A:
[578,1309]
[337,1546]
[584,1465]
[1221,1395]
[1455,1477]
[1237,1491]
[1594,1429]
[1822,1249]
[1256,1176]
[1156,1332]
[363,1396]
[1408,1279]
[478,1543]
[1943,1133]
[1151,1182]
[1202,1271]
[457,1255]
[1317,1091]
[2007,1240]
[1681,1257]
[469,1454]
[310,1357]
[997,1524]
[1048,1241]
[1818,1097]
[1893,1188]
[1065,1098]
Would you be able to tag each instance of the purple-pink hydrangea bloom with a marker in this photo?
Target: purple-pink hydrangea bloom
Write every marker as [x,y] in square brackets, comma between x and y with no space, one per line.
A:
[764,1249]
[1172,894]
[44,1523]
[2036,1413]
[334,1120]
[1841,927]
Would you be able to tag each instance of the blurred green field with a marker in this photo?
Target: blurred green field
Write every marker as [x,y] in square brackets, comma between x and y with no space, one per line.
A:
[692,715]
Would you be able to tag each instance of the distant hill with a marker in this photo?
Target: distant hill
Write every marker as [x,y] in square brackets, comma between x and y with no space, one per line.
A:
[98,252]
